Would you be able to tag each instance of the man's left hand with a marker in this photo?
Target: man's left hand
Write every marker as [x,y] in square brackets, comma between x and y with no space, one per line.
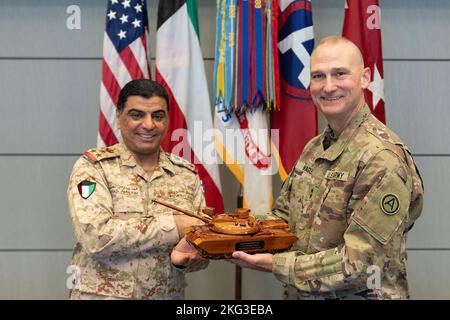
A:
[259,261]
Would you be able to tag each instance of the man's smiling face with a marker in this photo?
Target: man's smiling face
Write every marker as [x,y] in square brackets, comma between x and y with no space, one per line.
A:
[143,124]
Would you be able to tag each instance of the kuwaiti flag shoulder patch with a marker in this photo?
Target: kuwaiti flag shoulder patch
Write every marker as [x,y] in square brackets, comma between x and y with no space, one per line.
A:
[86,188]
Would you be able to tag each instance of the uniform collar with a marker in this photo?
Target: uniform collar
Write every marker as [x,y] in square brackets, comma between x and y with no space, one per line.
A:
[164,161]
[127,159]
[344,138]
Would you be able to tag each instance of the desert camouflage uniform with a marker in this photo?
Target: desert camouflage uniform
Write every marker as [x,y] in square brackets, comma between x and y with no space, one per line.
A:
[125,239]
[350,205]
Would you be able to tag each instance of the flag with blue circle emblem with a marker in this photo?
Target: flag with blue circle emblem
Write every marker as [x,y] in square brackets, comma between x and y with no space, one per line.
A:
[296,119]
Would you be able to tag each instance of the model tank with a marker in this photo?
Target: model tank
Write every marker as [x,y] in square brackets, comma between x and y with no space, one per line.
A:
[239,231]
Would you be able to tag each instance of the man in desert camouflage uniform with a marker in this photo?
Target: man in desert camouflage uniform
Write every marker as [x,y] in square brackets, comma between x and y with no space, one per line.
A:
[125,240]
[352,196]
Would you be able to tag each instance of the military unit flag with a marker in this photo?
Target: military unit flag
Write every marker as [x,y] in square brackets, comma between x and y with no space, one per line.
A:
[362,25]
[296,119]
[244,90]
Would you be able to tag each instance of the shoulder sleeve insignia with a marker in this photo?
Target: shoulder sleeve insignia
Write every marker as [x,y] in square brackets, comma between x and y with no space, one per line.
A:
[390,204]
[86,188]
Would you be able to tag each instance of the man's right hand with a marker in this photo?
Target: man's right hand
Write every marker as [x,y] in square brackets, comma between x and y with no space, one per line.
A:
[183,221]
[184,253]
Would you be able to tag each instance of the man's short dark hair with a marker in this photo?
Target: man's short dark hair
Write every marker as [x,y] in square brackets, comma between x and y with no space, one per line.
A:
[143,88]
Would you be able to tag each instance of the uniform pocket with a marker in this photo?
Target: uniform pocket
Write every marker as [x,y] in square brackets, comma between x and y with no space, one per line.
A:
[332,214]
[384,208]
[128,207]
[337,196]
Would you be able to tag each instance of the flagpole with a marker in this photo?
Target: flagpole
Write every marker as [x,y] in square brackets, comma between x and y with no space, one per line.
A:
[238,269]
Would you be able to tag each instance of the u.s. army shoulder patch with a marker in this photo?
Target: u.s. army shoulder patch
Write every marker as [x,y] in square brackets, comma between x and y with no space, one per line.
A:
[390,204]
[86,188]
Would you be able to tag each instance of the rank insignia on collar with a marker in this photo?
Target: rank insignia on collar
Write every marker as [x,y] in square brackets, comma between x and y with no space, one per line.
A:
[86,188]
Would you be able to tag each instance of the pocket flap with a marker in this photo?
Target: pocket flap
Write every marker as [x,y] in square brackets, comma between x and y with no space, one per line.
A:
[384,208]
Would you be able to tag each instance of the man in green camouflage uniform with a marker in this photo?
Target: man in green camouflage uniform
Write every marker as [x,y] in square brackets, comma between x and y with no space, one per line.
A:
[125,240]
[352,196]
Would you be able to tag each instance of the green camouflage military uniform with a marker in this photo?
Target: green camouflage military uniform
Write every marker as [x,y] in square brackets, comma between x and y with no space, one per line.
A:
[351,206]
[125,239]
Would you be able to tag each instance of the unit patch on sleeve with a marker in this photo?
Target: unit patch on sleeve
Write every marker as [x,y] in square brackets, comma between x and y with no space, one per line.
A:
[86,188]
[390,204]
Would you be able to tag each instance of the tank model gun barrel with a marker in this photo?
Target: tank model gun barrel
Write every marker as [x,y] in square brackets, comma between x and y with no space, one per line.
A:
[186,212]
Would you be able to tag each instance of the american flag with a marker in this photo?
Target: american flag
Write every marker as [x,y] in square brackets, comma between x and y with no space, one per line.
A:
[124,59]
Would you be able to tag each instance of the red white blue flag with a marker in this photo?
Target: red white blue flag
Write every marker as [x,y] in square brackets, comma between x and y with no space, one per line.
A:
[296,119]
[124,58]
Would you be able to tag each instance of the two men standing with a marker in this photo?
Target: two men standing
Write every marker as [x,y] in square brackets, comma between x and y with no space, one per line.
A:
[351,199]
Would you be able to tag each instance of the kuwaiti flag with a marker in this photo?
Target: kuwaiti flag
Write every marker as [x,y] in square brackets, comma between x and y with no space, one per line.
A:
[180,69]
[86,188]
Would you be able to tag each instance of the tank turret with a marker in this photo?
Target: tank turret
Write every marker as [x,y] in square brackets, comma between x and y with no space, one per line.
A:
[225,233]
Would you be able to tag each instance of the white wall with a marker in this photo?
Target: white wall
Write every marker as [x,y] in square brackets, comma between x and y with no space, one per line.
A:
[49,84]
